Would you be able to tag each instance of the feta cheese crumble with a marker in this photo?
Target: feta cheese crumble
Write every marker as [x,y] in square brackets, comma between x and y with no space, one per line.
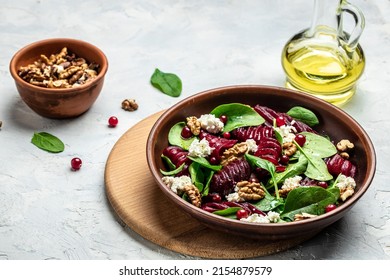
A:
[234,197]
[177,184]
[345,182]
[211,123]
[199,148]
[251,144]
[272,217]
[287,132]
[292,182]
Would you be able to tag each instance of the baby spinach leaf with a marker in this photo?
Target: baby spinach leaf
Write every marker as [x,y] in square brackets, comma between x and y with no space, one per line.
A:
[311,200]
[208,175]
[264,164]
[167,83]
[317,169]
[239,115]
[304,115]
[47,142]
[168,161]
[227,211]
[204,162]
[268,203]
[293,169]
[175,138]
[172,172]
[318,145]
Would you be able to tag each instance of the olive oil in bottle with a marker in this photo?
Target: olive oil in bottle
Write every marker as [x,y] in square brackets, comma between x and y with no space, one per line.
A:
[324,60]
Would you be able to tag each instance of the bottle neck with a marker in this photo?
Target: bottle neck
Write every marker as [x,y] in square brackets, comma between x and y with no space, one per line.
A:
[325,18]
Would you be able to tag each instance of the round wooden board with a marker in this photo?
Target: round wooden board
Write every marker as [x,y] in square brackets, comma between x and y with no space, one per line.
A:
[143,207]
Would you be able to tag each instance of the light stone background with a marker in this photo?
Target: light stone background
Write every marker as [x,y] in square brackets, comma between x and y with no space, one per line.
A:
[49,212]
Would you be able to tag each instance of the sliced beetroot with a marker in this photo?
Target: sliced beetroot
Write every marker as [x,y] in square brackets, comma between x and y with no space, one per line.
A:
[177,155]
[218,144]
[338,165]
[253,132]
[224,181]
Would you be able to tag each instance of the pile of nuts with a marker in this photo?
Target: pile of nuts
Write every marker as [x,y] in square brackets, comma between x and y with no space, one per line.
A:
[60,70]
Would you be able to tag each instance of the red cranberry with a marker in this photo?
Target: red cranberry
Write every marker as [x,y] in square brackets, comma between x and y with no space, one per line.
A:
[284,159]
[226,135]
[216,198]
[280,121]
[76,163]
[223,119]
[330,207]
[214,160]
[186,132]
[300,139]
[113,121]
[242,213]
[322,184]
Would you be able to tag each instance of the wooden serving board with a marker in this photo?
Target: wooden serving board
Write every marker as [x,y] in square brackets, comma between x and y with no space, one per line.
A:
[143,207]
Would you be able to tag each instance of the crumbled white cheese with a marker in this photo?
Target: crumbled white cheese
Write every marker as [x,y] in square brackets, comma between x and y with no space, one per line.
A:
[234,197]
[200,148]
[251,144]
[273,217]
[292,182]
[287,132]
[211,123]
[177,184]
[256,218]
[345,182]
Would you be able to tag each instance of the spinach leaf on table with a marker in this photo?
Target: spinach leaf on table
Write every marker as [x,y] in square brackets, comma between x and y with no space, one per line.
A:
[47,142]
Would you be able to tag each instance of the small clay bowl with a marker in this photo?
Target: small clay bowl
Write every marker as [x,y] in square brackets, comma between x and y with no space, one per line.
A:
[59,103]
[334,121]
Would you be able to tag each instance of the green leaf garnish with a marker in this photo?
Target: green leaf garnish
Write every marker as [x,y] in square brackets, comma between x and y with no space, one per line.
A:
[47,142]
[167,83]
[175,138]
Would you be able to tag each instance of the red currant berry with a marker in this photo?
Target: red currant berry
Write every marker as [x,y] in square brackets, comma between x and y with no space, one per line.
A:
[214,160]
[284,159]
[322,184]
[76,163]
[223,119]
[280,121]
[226,135]
[242,213]
[113,121]
[216,198]
[186,132]
[300,139]
[330,207]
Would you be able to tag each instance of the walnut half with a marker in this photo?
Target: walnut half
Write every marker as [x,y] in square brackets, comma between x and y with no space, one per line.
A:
[193,195]
[250,190]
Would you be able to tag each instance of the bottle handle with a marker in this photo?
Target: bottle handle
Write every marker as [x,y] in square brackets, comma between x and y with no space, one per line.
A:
[359,23]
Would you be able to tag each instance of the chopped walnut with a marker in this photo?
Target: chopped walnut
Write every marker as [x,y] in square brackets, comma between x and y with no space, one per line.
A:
[60,70]
[231,154]
[289,148]
[250,190]
[194,124]
[284,192]
[346,192]
[193,194]
[303,216]
[344,145]
[344,155]
[129,105]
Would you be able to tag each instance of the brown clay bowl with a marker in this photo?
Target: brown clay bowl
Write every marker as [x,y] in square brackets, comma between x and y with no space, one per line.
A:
[334,121]
[59,102]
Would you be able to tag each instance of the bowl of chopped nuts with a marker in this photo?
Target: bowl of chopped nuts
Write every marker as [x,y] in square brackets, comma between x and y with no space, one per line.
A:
[260,161]
[60,77]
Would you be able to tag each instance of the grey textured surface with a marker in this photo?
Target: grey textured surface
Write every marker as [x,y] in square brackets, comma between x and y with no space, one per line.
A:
[49,212]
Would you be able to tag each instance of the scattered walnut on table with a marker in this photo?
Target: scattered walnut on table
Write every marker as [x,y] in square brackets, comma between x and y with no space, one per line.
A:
[129,105]
[250,190]
[62,70]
